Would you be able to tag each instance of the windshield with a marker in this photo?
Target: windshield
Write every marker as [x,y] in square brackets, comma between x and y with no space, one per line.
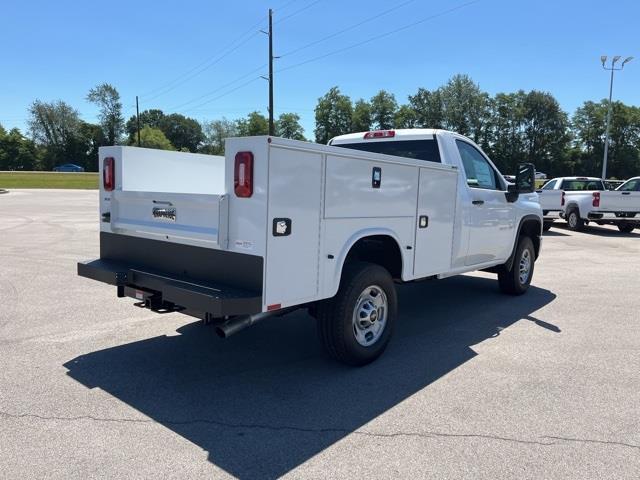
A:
[418,149]
[578,185]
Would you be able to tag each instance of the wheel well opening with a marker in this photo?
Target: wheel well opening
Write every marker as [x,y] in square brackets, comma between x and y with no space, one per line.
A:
[382,250]
[532,229]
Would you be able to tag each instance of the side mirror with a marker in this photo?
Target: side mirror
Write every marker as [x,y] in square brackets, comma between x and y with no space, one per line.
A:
[526,178]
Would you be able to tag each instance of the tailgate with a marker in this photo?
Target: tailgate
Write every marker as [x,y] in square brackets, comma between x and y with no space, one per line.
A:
[195,219]
[618,201]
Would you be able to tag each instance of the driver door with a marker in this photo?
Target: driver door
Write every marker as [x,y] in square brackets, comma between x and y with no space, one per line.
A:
[488,218]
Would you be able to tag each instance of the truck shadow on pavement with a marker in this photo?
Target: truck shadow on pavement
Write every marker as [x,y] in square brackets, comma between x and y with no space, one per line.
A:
[267,400]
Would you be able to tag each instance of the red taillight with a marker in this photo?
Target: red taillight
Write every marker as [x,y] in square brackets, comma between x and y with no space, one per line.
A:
[562,200]
[243,174]
[380,134]
[596,199]
[109,174]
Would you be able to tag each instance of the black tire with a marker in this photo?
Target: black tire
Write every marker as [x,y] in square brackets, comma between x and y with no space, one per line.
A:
[546,226]
[336,327]
[574,222]
[626,227]
[510,280]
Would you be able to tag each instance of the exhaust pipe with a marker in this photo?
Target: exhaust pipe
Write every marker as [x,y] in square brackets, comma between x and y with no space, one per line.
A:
[234,325]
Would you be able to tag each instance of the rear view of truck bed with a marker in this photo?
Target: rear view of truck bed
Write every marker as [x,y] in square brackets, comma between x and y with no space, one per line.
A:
[163,234]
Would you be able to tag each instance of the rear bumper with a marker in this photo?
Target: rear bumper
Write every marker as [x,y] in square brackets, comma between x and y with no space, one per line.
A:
[161,288]
[200,280]
[614,217]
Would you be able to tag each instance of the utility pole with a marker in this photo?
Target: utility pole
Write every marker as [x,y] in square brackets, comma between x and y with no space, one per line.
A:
[272,130]
[612,69]
[138,119]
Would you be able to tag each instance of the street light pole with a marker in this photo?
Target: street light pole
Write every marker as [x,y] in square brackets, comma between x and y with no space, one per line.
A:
[612,69]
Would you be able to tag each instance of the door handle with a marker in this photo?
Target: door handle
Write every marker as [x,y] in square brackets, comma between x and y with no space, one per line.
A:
[478,202]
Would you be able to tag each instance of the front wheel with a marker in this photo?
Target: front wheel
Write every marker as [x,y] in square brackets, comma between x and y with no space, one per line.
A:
[356,325]
[626,227]
[516,280]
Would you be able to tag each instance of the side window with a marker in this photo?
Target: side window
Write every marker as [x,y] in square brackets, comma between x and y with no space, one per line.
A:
[632,186]
[550,185]
[479,172]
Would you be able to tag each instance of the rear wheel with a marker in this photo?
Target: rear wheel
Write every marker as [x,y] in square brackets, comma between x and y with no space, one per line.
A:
[356,325]
[574,222]
[516,280]
[626,227]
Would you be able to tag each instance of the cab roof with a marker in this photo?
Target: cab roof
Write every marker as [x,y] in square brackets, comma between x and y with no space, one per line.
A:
[398,134]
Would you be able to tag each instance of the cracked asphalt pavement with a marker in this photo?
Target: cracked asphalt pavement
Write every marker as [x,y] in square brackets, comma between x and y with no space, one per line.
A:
[473,385]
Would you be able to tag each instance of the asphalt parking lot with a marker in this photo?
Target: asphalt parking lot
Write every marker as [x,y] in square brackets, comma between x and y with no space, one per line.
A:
[474,384]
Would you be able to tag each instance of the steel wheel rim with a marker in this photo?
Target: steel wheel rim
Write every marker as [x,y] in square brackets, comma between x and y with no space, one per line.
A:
[369,317]
[524,269]
[573,219]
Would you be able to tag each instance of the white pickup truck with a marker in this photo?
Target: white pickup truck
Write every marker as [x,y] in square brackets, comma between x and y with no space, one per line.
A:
[585,199]
[280,224]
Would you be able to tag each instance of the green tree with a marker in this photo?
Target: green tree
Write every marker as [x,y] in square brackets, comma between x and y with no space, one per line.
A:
[154,138]
[107,98]
[254,124]
[333,115]
[505,130]
[16,151]
[152,118]
[361,118]
[589,124]
[383,110]
[406,117]
[288,126]
[546,131]
[55,126]
[91,138]
[464,107]
[215,133]
[427,106]
[183,132]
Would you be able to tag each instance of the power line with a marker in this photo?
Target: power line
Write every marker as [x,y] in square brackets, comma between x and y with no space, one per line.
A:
[222,87]
[206,64]
[285,6]
[224,94]
[198,72]
[344,30]
[377,37]
[297,11]
[215,58]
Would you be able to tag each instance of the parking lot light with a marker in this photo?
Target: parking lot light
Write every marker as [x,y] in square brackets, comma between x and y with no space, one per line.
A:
[612,69]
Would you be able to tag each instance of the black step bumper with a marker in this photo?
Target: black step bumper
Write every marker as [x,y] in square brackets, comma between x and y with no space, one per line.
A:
[205,297]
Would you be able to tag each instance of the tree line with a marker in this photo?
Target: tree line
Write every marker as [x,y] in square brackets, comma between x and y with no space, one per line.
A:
[511,127]
[57,134]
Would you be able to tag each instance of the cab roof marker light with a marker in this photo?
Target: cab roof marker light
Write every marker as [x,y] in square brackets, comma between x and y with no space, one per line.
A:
[380,134]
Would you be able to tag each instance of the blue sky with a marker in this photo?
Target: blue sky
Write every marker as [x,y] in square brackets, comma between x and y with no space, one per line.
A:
[168,52]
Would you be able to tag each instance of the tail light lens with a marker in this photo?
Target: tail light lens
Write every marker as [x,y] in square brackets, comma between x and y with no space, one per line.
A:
[243,175]
[380,134]
[562,200]
[109,174]
[596,199]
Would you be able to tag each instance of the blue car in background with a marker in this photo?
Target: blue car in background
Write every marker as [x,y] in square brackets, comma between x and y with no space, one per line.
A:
[68,167]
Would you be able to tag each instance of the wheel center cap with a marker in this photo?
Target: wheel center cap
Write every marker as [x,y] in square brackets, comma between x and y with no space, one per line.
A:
[373,316]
